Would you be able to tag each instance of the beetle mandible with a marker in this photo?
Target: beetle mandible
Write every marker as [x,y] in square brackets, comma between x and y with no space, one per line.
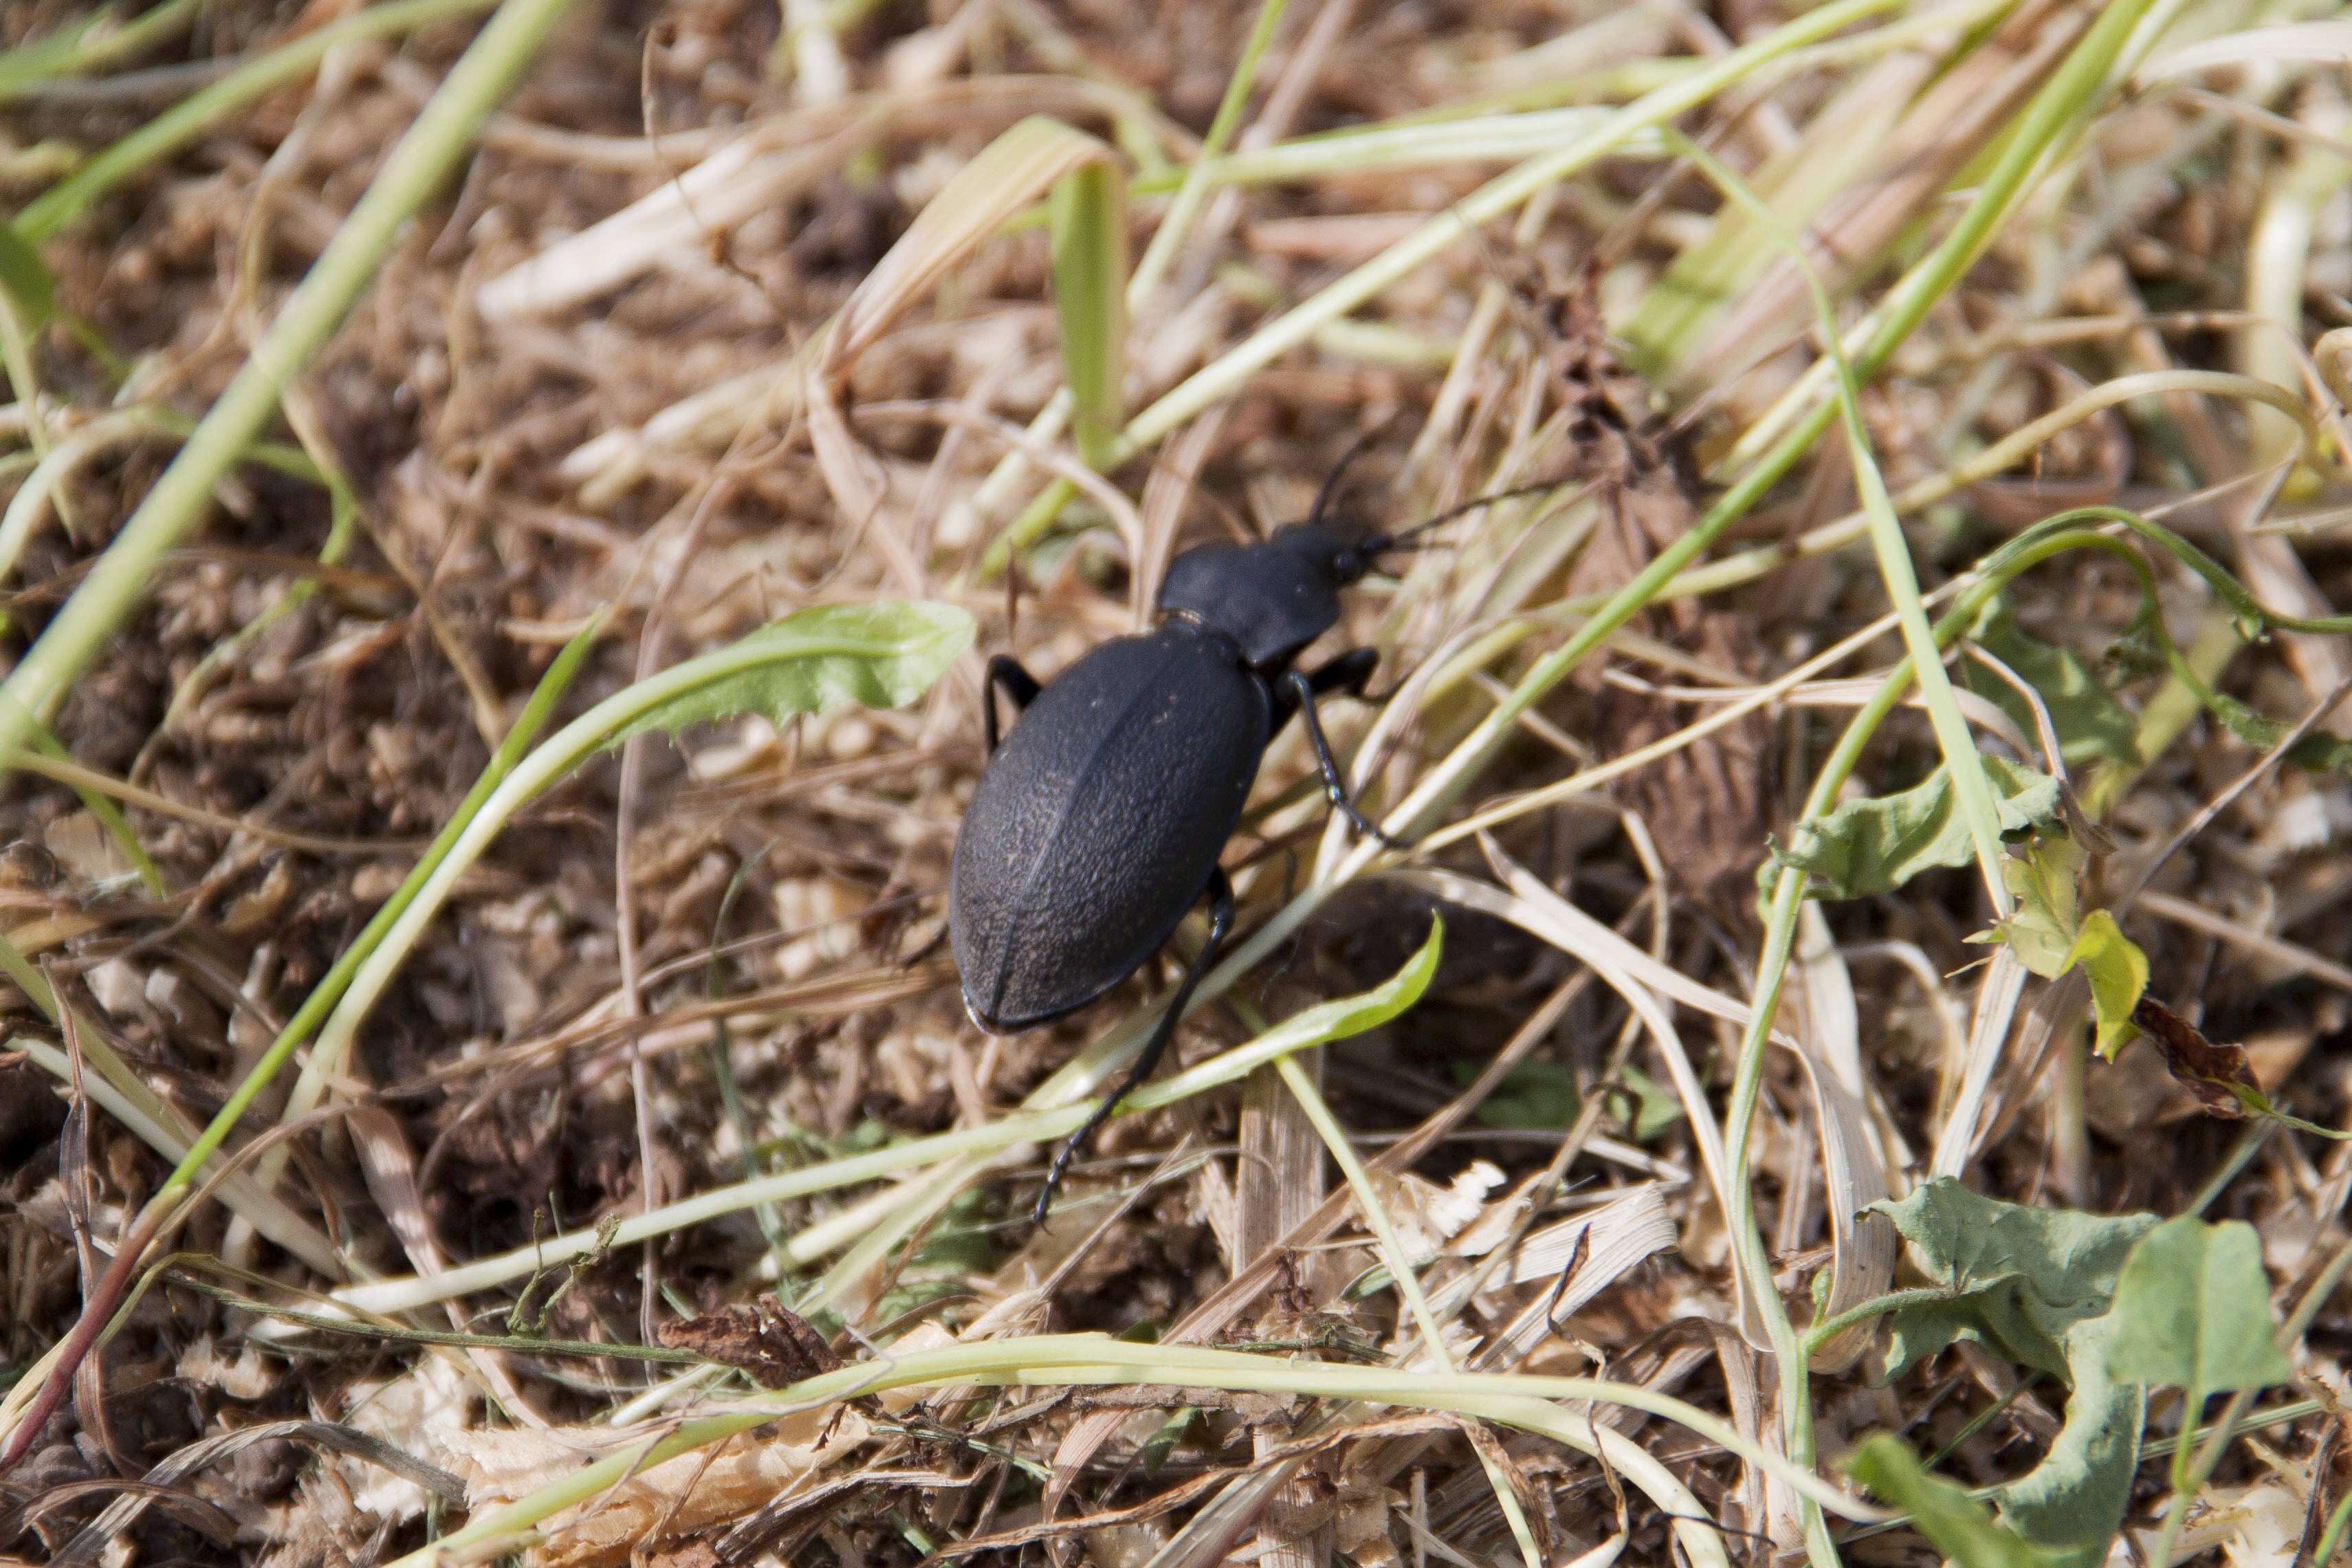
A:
[1098,822]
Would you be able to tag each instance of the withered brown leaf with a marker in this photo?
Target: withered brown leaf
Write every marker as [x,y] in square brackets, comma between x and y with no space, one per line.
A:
[762,1337]
[2217,1074]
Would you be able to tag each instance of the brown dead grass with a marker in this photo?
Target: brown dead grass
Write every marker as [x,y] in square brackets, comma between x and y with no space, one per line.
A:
[784,886]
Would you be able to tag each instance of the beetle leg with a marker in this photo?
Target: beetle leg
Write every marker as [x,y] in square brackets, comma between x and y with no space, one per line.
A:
[1220,922]
[1349,672]
[1005,670]
[1352,673]
[1335,789]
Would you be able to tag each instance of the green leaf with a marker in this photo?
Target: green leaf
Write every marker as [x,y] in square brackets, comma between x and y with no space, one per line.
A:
[1655,1106]
[2033,1284]
[2073,1502]
[2047,921]
[26,279]
[2020,1278]
[1318,1025]
[2193,1310]
[1536,1095]
[2049,935]
[2091,725]
[1955,1524]
[1163,1442]
[1877,844]
[1089,210]
[882,654]
[2318,751]
[2117,971]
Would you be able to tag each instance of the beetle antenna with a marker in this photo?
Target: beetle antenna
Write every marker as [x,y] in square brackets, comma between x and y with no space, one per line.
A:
[1340,469]
[1407,539]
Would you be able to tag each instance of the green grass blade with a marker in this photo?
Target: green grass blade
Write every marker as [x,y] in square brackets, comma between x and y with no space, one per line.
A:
[176,127]
[98,40]
[883,653]
[338,979]
[1090,228]
[415,169]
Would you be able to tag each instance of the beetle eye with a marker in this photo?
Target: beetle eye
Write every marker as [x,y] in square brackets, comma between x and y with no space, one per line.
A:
[1349,565]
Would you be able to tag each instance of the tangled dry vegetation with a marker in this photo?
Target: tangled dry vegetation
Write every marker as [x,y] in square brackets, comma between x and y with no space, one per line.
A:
[1532,1241]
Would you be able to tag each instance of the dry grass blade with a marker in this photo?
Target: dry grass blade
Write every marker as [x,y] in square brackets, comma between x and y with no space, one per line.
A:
[2322,43]
[688,1494]
[846,290]
[678,218]
[201,1456]
[125,1097]
[1624,968]
[1582,1257]
[1862,1263]
[1014,170]
[1012,173]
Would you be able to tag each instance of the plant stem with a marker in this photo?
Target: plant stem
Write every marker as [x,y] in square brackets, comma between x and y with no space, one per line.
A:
[1819,1333]
[2333,1536]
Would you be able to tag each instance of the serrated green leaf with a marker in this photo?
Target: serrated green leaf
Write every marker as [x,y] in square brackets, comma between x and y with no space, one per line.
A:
[2091,725]
[1877,844]
[2073,1502]
[2117,971]
[883,654]
[2043,930]
[2020,1278]
[1955,1524]
[31,288]
[2192,1311]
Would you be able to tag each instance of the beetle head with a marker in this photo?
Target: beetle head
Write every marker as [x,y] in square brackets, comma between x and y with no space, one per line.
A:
[1325,551]
[1275,598]
[1271,598]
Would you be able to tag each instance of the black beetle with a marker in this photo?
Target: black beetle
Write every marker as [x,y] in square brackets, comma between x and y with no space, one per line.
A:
[1097,825]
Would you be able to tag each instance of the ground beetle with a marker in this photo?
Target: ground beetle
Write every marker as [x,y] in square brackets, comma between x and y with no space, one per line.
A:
[1098,822]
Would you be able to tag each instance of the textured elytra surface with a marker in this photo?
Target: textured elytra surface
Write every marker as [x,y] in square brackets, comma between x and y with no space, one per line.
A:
[1099,819]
